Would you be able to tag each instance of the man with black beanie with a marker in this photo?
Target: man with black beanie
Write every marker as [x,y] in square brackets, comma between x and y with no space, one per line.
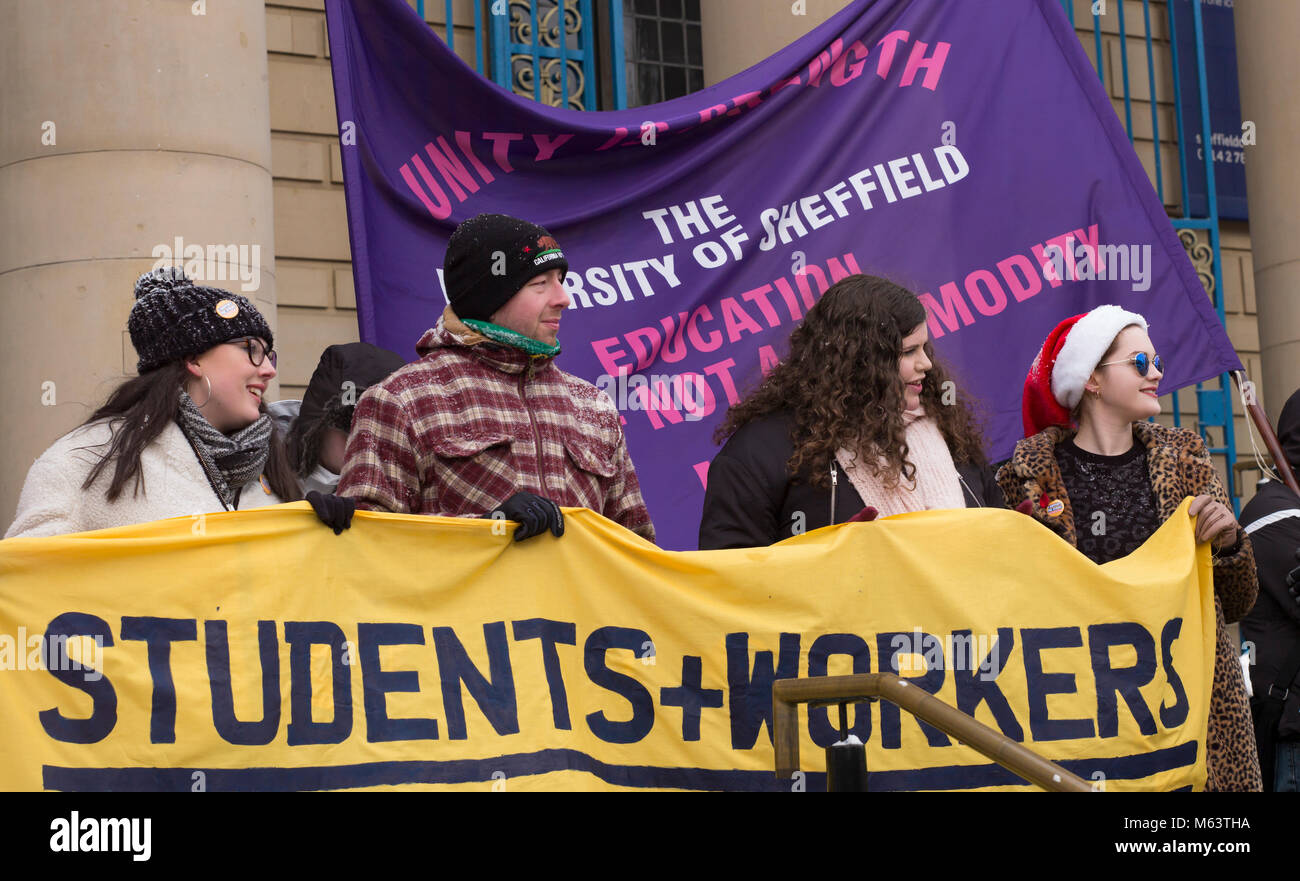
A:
[485,424]
[1272,519]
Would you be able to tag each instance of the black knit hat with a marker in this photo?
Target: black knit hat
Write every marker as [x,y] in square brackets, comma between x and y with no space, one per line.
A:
[174,318]
[344,372]
[491,257]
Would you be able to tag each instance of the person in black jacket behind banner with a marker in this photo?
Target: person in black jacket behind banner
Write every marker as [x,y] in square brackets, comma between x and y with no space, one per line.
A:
[317,427]
[859,420]
[1272,520]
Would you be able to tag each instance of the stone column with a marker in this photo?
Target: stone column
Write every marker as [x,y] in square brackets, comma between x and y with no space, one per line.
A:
[126,124]
[1268,68]
[737,34]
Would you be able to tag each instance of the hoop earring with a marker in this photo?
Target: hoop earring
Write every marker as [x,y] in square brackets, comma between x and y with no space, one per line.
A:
[209,397]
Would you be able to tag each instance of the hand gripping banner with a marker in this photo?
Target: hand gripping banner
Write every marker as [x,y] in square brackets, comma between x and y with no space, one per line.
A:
[256,650]
[965,150]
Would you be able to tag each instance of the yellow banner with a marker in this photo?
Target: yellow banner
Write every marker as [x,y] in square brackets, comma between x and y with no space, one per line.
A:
[257,650]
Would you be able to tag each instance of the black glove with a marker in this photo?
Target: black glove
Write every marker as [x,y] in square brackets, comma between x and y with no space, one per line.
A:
[533,513]
[334,511]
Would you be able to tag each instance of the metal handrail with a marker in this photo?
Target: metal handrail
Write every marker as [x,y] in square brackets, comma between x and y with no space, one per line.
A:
[787,694]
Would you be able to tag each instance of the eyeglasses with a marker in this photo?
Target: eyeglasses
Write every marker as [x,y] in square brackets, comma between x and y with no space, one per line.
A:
[256,349]
[1142,362]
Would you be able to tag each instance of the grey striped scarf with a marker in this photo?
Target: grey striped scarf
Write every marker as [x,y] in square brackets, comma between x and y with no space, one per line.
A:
[229,460]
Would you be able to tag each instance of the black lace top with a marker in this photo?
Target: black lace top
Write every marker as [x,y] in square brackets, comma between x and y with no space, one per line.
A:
[1111,499]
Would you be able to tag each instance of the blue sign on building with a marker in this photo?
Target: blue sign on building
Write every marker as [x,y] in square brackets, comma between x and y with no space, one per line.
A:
[1225,108]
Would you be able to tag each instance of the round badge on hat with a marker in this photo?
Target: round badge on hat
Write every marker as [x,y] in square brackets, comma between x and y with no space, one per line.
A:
[1055,508]
[227,308]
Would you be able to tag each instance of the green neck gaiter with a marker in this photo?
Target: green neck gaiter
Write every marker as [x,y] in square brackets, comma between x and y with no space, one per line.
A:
[514,339]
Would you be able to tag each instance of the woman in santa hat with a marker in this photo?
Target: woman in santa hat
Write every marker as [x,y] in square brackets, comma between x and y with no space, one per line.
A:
[1089,450]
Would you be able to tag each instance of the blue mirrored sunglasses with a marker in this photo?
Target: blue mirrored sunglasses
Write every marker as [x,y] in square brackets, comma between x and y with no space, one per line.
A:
[1141,361]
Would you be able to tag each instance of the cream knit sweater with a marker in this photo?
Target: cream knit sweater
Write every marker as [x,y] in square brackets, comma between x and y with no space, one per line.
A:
[53,502]
[936,483]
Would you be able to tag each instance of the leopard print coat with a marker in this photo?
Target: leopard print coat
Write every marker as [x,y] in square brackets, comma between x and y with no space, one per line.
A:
[1179,466]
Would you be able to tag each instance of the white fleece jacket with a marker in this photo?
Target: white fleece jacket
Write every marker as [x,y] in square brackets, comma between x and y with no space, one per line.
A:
[53,502]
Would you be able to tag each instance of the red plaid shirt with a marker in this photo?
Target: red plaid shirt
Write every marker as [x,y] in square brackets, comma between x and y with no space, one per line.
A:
[471,423]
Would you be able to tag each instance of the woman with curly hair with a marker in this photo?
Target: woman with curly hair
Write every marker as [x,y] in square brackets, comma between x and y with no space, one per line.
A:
[860,416]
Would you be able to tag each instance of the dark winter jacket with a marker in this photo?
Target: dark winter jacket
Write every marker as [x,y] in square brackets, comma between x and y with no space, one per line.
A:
[752,501]
[1273,521]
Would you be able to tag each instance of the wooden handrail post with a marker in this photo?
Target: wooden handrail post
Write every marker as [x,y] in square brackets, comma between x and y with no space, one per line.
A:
[1260,418]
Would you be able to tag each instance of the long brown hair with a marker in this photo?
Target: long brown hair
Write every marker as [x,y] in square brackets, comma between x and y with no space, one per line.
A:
[841,383]
[140,409]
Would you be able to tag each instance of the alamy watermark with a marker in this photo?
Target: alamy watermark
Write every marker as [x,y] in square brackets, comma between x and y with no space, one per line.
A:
[919,652]
[1086,262]
[686,393]
[33,651]
[241,263]
[76,833]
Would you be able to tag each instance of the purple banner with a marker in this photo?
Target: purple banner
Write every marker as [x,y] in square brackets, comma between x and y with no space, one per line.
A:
[964,150]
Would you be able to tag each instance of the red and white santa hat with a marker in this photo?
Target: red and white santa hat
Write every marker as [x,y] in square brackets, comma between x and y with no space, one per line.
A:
[1062,366]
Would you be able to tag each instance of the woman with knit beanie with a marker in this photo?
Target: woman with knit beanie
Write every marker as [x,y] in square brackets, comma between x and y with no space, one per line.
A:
[1089,449]
[859,420]
[189,435]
